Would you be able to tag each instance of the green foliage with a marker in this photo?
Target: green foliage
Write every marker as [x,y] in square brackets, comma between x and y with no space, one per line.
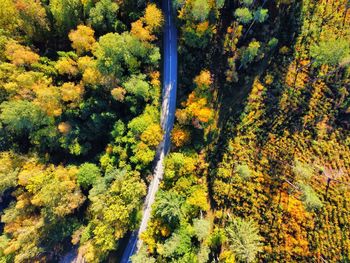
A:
[200,9]
[250,53]
[168,207]
[138,87]
[330,51]
[88,174]
[67,14]
[104,16]
[247,2]
[118,54]
[114,207]
[261,15]
[220,3]
[310,197]
[201,228]
[244,239]
[178,244]
[243,15]
[142,257]
[303,171]
[244,172]
[25,120]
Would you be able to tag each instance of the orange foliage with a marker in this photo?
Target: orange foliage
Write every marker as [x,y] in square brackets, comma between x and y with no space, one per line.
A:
[20,55]
[203,80]
[180,136]
[139,31]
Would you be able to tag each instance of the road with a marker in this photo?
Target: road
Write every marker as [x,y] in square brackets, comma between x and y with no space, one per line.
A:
[167,123]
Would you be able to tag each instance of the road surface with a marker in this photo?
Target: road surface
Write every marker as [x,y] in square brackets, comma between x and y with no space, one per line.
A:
[167,122]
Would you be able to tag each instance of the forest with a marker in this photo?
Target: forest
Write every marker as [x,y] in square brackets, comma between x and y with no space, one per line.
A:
[259,164]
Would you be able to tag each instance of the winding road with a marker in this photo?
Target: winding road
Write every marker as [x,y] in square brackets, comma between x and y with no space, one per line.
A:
[167,123]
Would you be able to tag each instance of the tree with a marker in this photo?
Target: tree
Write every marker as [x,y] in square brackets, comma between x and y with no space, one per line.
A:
[82,39]
[243,15]
[115,202]
[104,16]
[22,117]
[87,175]
[201,228]
[330,51]
[244,172]
[47,196]
[67,14]
[137,86]
[72,93]
[20,55]
[261,15]
[310,198]
[180,136]
[153,17]
[9,170]
[168,207]
[203,80]
[34,20]
[142,257]
[141,32]
[200,9]
[9,17]
[250,53]
[244,239]
[119,54]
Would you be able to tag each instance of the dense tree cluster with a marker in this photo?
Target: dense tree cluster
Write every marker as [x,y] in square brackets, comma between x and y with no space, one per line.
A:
[79,124]
[258,169]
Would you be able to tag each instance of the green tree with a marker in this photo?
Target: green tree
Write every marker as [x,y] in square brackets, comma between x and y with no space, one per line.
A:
[103,16]
[310,198]
[67,14]
[22,117]
[244,239]
[168,207]
[88,174]
[119,54]
[250,53]
[330,51]
[244,172]
[243,15]
[137,86]
[200,9]
[261,15]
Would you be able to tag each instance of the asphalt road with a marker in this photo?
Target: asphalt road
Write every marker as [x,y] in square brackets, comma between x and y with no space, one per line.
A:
[167,123]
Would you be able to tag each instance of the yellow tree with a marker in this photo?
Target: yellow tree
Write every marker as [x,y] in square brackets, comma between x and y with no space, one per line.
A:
[153,18]
[82,39]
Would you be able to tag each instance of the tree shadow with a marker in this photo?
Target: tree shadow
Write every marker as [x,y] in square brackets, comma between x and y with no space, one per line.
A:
[232,98]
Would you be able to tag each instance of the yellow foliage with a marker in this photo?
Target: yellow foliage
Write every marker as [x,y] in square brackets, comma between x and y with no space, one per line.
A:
[92,76]
[139,31]
[118,93]
[153,135]
[48,98]
[155,76]
[153,17]
[20,55]
[82,39]
[67,66]
[71,92]
[203,80]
